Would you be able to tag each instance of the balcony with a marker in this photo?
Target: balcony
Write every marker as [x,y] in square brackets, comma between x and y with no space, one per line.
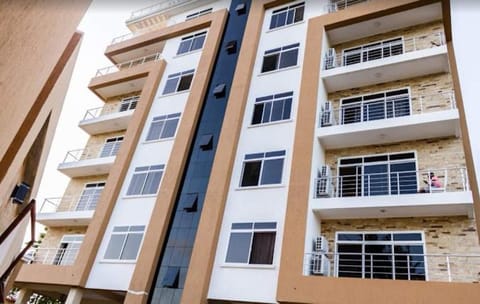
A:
[55,256]
[463,268]
[67,211]
[337,5]
[109,118]
[385,61]
[388,119]
[393,194]
[93,160]
[157,15]
[122,78]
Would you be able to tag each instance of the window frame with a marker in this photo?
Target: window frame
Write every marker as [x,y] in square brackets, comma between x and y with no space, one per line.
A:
[138,170]
[288,8]
[280,51]
[63,252]
[85,186]
[179,76]
[116,142]
[260,174]
[271,99]
[366,45]
[132,100]
[192,38]
[252,231]
[164,119]
[362,104]
[122,249]
[391,242]
[199,14]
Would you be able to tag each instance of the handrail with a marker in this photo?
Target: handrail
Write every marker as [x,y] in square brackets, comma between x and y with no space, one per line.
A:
[68,203]
[446,267]
[156,8]
[392,183]
[337,5]
[100,111]
[55,256]
[92,152]
[383,50]
[386,108]
[126,65]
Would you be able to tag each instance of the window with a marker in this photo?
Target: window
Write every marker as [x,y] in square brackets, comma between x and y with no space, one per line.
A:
[382,174]
[252,243]
[124,243]
[272,108]
[145,180]
[111,146]
[376,106]
[382,255]
[198,14]
[90,195]
[373,51]
[287,15]
[263,168]
[68,249]
[191,43]
[129,103]
[178,82]
[280,58]
[163,126]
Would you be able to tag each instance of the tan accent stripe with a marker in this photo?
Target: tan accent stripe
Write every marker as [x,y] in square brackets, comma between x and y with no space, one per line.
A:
[293,287]
[156,231]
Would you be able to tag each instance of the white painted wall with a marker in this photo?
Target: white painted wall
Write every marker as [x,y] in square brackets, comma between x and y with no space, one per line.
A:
[251,282]
[130,211]
[465,20]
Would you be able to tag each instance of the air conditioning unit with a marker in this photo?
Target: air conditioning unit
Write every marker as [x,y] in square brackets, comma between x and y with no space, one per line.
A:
[320,244]
[324,171]
[330,59]
[320,265]
[327,118]
[324,186]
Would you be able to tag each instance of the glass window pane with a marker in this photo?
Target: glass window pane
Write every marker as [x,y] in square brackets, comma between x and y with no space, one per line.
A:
[263,245]
[287,108]
[132,245]
[270,63]
[257,114]
[290,16]
[350,237]
[267,112]
[155,130]
[114,247]
[378,261]
[288,58]
[251,173]
[107,149]
[171,85]
[277,110]
[185,82]
[170,128]
[272,171]
[273,22]
[349,260]
[238,247]
[299,12]
[152,182]
[281,19]
[198,42]
[184,46]
[136,184]
[407,237]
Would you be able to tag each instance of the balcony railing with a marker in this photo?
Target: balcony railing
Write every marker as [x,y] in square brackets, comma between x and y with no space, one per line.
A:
[126,104]
[55,256]
[128,64]
[392,183]
[386,108]
[382,49]
[92,152]
[156,9]
[410,266]
[69,203]
[336,5]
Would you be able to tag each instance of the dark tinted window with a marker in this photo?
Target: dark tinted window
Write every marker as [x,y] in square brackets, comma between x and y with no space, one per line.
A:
[251,173]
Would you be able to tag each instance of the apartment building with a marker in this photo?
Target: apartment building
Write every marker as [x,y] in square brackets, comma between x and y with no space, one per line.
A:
[270,152]
[38,49]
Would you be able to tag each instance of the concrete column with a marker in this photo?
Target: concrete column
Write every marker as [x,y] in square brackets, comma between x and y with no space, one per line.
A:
[23,296]
[74,296]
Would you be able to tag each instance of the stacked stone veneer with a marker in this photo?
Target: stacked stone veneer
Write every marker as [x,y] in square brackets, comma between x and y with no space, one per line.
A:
[75,189]
[432,155]
[95,144]
[112,105]
[455,236]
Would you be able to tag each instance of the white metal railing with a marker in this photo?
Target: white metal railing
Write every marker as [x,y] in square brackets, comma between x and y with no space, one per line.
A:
[336,5]
[387,107]
[383,50]
[156,9]
[69,203]
[55,256]
[94,151]
[128,64]
[125,105]
[410,266]
[392,183]
[124,37]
